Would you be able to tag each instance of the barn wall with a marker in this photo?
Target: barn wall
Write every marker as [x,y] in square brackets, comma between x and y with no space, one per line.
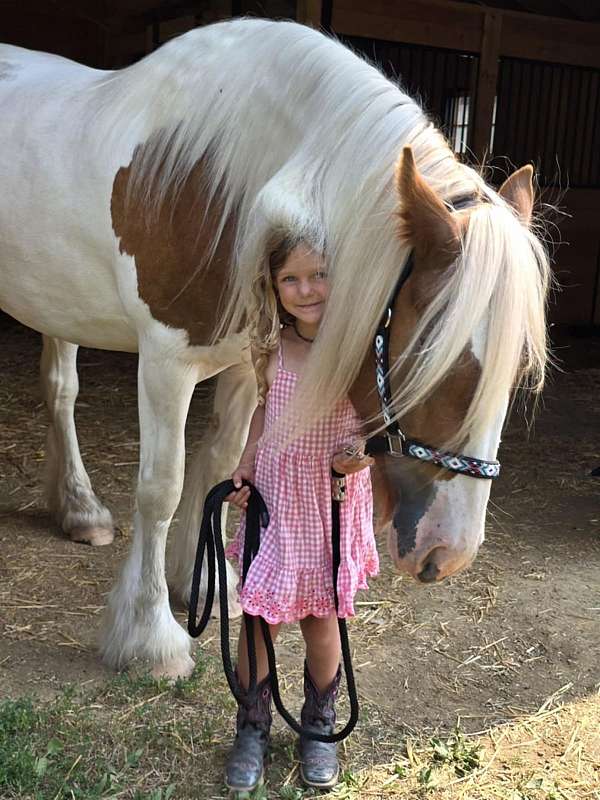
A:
[578,265]
[76,31]
[273,9]
[140,27]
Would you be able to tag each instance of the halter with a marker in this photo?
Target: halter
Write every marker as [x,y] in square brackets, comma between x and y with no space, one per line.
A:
[393,441]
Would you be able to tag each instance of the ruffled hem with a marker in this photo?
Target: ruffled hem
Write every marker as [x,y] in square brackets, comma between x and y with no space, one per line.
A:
[312,594]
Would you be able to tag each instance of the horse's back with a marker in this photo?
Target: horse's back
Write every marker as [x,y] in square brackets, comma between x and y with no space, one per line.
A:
[33,71]
[35,90]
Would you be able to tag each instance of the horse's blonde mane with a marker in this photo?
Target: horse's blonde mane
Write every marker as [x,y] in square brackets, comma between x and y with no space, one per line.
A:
[301,135]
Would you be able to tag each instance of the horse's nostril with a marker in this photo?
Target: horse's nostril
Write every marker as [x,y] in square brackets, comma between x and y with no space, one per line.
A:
[429,573]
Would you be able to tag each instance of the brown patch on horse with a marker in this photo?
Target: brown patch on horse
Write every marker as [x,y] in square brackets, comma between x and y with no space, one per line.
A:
[383,496]
[437,419]
[170,245]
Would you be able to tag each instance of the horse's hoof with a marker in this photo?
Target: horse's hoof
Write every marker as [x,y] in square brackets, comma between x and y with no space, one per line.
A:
[181,667]
[97,537]
[233,606]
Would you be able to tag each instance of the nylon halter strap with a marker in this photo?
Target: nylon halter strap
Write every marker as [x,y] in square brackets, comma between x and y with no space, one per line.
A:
[393,441]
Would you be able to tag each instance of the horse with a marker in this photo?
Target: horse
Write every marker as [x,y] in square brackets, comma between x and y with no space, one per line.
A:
[136,205]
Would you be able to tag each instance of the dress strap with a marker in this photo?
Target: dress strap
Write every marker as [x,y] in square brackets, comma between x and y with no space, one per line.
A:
[281,367]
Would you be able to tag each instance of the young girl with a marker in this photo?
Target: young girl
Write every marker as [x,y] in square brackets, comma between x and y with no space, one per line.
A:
[290,579]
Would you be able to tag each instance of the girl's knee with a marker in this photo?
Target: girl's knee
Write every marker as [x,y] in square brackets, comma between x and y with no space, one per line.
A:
[323,629]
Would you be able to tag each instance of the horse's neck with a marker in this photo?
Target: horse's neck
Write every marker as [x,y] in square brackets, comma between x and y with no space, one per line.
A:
[300,90]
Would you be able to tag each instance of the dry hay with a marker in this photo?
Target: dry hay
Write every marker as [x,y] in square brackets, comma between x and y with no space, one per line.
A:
[553,754]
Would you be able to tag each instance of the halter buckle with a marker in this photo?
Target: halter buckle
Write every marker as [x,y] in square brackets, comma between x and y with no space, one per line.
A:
[338,488]
[395,444]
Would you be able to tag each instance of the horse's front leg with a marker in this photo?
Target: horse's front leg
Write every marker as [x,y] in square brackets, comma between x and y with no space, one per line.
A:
[69,492]
[139,622]
[217,457]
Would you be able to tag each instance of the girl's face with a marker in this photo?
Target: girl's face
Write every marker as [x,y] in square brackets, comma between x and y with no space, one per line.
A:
[302,285]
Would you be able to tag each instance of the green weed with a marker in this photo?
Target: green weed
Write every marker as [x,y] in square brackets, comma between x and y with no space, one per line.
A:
[291,793]
[457,752]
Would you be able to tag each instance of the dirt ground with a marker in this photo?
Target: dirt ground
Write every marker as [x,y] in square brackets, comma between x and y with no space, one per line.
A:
[522,624]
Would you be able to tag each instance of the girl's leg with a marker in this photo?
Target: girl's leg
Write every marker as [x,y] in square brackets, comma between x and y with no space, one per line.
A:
[318,760]
[262,665]
[245,762]
[323,649]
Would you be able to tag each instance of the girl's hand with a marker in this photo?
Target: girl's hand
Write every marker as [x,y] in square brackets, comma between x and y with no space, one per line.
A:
[350,460]
[240,498]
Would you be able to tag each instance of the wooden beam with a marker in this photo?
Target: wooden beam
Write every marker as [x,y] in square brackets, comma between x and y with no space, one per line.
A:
[558,41]
[460,26]
[487,82]
[423,22]
[310,12]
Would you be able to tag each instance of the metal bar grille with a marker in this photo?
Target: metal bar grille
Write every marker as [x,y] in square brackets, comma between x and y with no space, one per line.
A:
[550,114]
[443,81]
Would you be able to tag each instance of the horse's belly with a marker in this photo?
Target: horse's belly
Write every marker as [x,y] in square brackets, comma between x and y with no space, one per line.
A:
[40,299]
[58,281]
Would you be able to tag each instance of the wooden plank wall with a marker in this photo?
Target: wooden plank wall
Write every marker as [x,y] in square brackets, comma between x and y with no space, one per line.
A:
[310,12]
[136,27]
[74,28]
[577,267]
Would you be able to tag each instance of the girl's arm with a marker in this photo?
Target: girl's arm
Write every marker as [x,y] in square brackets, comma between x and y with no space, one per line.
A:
[245,468]
[255,431]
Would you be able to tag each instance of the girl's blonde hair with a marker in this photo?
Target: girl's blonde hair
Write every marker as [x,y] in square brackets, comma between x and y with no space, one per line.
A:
[266,315]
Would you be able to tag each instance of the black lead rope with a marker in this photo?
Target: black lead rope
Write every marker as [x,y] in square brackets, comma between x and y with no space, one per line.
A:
[210,542]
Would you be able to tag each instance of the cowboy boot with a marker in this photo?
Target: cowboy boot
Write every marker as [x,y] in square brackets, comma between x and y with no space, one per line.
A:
[245,762]
[318,760]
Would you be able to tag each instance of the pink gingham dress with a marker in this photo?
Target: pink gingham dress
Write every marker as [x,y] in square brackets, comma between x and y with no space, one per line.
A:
[291,576]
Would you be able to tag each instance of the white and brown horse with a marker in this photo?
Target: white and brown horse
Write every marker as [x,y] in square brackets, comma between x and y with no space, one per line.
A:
[134,209]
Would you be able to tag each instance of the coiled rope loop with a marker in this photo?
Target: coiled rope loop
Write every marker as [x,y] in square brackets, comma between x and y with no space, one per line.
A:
[210,542]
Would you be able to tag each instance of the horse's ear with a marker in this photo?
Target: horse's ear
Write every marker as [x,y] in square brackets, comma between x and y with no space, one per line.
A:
[518,192]
[424,219]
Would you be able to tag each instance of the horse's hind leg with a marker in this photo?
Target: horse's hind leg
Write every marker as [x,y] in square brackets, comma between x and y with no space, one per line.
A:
[219,453]
[139,621]
[69,491]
